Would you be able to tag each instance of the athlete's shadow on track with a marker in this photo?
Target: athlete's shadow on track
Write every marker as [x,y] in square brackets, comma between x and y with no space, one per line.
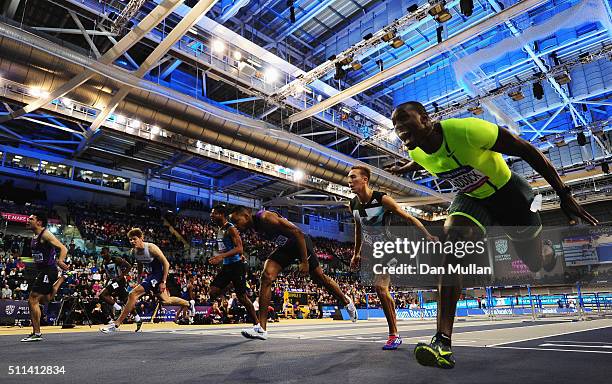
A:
[231,346]
[252,370]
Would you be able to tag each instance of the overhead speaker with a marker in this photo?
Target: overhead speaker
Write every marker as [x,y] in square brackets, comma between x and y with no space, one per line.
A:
[605,167]
[581,138]
[439,33]
[291,10]
[467,7]
[340,72]
[538,90]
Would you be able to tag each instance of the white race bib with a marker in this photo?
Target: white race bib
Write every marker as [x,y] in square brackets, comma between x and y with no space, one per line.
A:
[465,178]
[38,257]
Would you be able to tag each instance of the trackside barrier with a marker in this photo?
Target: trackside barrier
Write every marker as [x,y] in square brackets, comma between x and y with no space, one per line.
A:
[534,306]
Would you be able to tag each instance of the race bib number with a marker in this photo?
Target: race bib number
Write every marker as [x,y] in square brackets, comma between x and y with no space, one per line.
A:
[465,178]
[220,246]
[38,257]
[115,285]
[371,238]
[111,269]
[280,241]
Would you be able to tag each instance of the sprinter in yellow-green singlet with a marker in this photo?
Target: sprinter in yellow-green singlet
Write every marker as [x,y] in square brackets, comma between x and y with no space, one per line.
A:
[468,153]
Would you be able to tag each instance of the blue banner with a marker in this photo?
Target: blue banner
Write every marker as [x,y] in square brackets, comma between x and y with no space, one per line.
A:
[329,310]
[405,314]
[17,309]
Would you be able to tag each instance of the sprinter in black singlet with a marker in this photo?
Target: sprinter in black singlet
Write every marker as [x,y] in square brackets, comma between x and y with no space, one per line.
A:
[293,247]
[116,268]
[371,210]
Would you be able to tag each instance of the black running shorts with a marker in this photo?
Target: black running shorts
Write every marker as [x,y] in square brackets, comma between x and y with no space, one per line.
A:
[232,273]
[43,283]
[117,288]
[288,254]
[509,207]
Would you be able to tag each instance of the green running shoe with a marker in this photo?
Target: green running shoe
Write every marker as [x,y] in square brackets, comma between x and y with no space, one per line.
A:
[434,354]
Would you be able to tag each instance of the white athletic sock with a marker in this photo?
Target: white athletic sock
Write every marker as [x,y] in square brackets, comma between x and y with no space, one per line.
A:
[117,306]
[137,318]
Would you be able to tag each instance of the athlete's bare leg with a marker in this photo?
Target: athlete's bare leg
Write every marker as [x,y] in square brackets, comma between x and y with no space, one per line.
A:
[320,278]
[133,297]
[381,286]
[166,299]
[268,276]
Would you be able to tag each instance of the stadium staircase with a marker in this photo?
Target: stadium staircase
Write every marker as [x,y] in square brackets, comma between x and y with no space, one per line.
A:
[175,233]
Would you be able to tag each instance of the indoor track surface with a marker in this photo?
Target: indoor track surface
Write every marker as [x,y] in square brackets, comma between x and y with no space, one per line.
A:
[316,351]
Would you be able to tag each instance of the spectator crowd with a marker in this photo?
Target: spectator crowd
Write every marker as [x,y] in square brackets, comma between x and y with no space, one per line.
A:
[104,225]
[188,279]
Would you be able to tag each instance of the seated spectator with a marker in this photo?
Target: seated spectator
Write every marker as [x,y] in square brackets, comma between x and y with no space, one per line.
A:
[105,225]
[214,315]
[297,311]
[97,315]
[312,310]
[23,291]
[7,293]
[227,317]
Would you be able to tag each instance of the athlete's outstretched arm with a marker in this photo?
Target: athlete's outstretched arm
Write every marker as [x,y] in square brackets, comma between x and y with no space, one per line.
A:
[233,231]
[512,145]
[124,266]
[390,204]
[357,249]
[410,166]
[48,237]
[140,268]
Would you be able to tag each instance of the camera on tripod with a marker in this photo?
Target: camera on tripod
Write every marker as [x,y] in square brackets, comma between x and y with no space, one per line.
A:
[71,307]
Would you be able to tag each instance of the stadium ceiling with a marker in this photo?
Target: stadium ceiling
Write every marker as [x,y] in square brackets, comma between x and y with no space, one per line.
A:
[491,64]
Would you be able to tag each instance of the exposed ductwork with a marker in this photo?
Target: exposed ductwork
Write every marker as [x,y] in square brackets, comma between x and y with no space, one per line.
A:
[32,60]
